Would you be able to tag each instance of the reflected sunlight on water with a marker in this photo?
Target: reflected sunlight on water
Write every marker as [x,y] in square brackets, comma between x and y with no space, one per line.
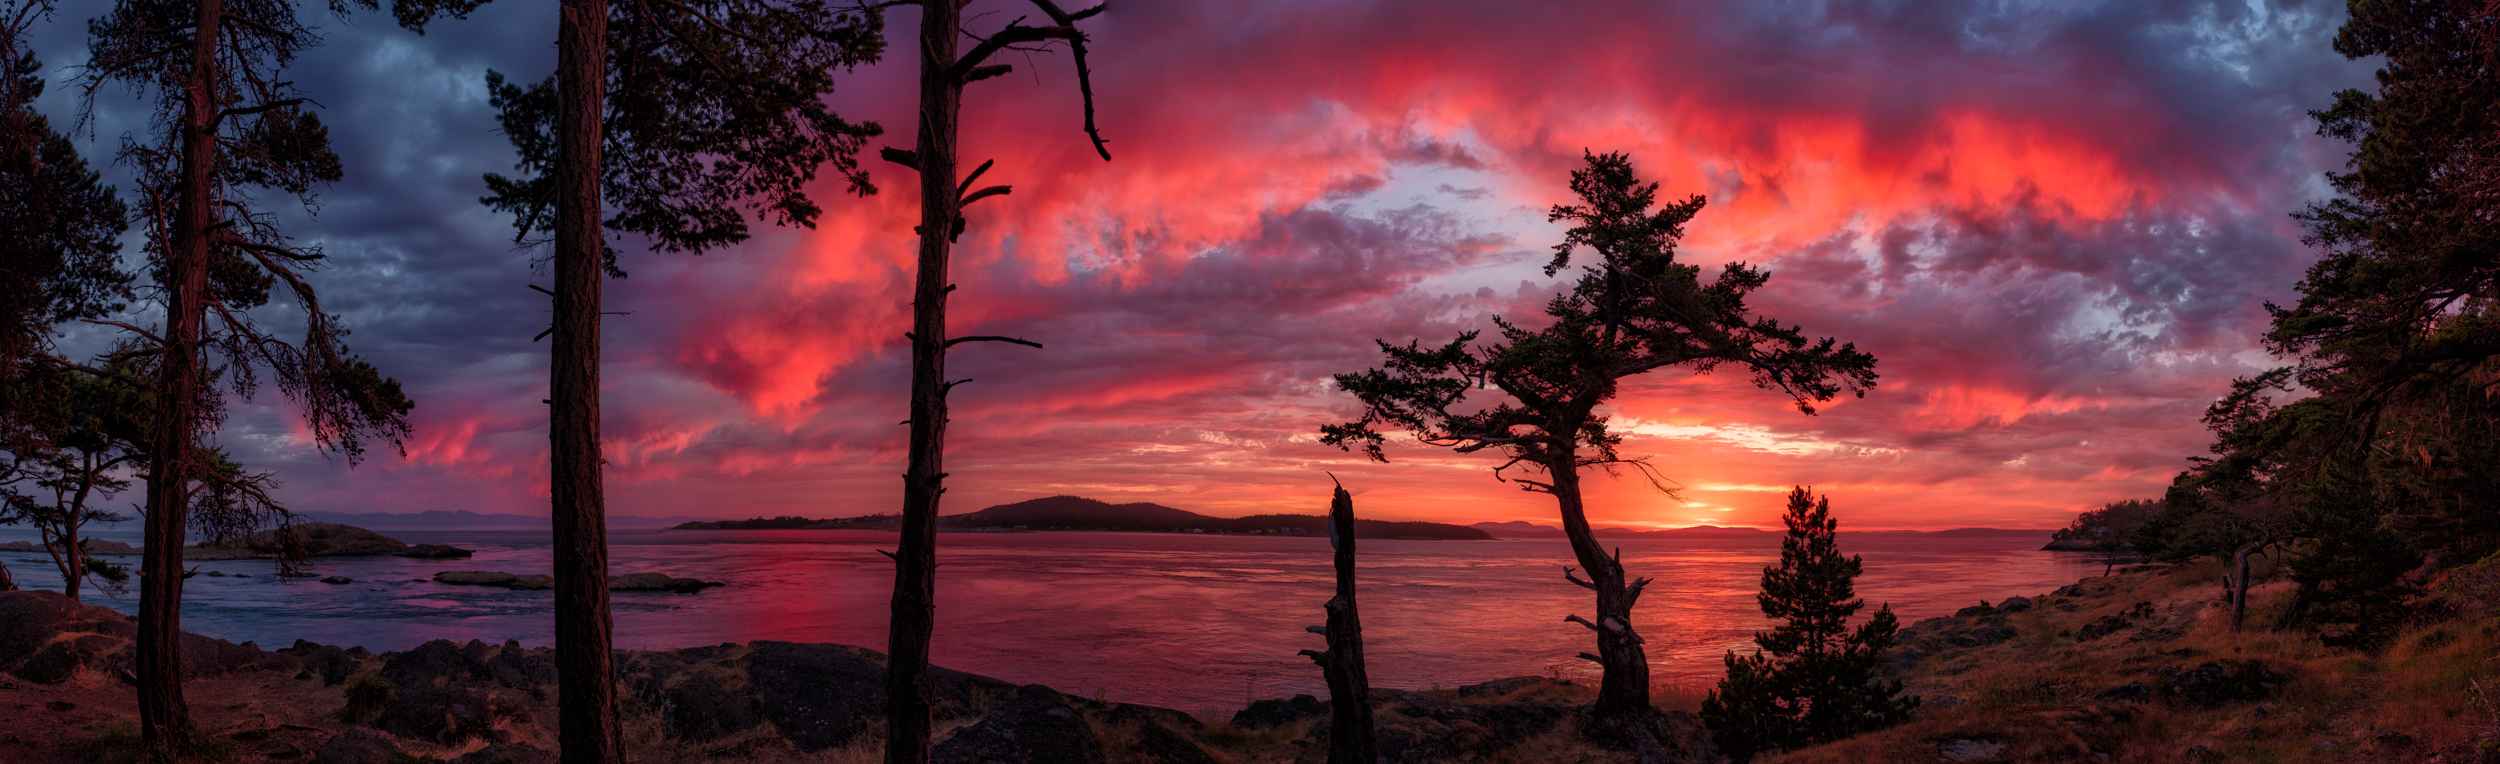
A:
[1190,621]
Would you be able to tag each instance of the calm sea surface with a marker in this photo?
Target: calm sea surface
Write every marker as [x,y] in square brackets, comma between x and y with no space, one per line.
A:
[1198,623]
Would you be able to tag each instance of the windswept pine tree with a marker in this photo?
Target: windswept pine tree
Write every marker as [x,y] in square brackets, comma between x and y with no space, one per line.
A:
[1813,680]
[1633,310]
[230,132]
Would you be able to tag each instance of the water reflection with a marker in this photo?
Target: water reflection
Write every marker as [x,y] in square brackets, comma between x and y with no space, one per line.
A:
[1190,621]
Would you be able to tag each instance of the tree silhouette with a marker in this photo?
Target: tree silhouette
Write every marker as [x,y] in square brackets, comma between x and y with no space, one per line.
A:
[944,72]
[1812,680]
[227,129]
[59,262]
[673,113]
[1351,739]
[91,429]
[1633,310]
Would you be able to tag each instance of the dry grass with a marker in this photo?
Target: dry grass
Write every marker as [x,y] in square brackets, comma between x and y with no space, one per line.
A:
[2038,697]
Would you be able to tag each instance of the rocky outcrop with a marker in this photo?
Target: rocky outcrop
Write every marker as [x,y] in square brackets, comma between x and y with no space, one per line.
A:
[312,539]
[48,638]
[447,715]
[436,552]
[441,663]
[1031,724]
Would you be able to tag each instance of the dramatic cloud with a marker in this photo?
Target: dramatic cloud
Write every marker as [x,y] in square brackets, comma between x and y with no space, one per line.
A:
[2054,223]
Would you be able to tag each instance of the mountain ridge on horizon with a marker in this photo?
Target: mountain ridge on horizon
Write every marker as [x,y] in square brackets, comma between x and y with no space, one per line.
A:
[1034,509]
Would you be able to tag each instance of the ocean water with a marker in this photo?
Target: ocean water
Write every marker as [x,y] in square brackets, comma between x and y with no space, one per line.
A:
[1200,623]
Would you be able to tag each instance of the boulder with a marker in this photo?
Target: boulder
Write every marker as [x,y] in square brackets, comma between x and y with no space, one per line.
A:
[507,753]
[2214,684]
[2101,627]
[439,663]
[1031,725]
[1156,744]
[29,619]
[822,696]
[359,746]
[436,552]
[2015,604]
[329,662]
[819,696]
[534,581]
[336,580]
[446,715]
[62,661]
[1265,714]
[702,709]
[474,578]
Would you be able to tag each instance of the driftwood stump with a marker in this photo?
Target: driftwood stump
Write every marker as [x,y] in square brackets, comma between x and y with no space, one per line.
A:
[1349,689]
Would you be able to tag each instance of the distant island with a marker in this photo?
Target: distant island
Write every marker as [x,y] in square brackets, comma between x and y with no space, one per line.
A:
[1076,513]
[1521,529]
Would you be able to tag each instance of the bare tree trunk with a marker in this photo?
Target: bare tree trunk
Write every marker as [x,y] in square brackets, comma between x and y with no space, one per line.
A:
[914,618]
[75,573]
[2239,583]
[164,716]
[7,582]
[587,728]
[1623,693]
[1351,736]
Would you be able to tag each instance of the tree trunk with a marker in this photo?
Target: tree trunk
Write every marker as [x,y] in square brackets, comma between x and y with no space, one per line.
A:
[1623,693]
[2239,584]
[74,571]
[914,617]
[587,731]
[7,583]
[1351,736]
[164,717]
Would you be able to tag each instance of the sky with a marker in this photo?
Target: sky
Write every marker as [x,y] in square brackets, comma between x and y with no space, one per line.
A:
[2055,225]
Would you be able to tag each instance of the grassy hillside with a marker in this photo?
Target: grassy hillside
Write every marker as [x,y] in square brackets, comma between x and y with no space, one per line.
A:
[2143,692]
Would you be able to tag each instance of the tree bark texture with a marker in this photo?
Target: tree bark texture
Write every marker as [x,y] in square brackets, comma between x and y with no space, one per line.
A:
[587,731]
[1623,692]
[1351,738]
[914,617]
[164,716]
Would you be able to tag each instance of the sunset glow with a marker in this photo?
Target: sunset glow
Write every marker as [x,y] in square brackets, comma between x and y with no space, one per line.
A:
[2053,225]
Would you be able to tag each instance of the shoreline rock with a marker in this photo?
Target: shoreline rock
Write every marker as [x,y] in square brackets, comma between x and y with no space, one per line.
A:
[314,539]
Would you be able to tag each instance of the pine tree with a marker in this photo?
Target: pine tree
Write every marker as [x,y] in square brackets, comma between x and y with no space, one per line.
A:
[1633,310]
[1812,680]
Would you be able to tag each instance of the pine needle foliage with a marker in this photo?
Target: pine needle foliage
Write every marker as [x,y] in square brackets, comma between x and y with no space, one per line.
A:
[1813,680]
